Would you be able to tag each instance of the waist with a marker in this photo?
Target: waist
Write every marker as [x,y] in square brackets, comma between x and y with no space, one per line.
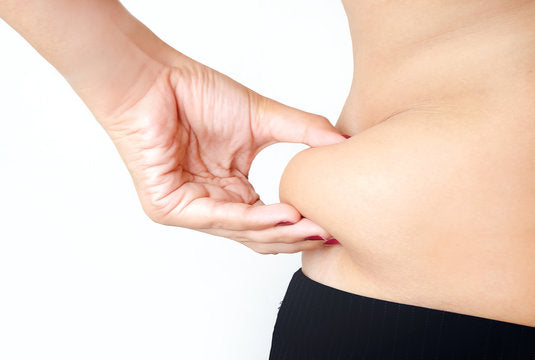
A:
[432,209]
[433,197]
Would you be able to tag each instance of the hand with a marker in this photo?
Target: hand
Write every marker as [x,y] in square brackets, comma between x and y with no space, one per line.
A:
[188,141]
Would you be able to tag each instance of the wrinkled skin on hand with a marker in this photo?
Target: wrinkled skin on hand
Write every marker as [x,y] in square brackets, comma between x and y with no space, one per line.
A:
[188,138]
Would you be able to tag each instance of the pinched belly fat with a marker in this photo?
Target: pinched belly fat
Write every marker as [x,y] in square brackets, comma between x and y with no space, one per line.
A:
[435,210]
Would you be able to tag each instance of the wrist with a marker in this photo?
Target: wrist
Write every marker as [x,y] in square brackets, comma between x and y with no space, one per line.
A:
[138,59]
[104,52]
[125,58]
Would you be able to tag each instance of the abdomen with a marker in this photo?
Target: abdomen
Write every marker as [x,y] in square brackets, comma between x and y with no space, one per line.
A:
[432,210]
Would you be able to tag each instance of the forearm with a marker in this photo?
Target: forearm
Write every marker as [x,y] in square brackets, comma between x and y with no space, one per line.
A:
[102,50]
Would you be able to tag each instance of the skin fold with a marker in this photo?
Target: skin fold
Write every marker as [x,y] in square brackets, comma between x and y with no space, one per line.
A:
[432,198]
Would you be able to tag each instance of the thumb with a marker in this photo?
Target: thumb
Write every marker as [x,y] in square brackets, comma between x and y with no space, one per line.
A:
[286,124]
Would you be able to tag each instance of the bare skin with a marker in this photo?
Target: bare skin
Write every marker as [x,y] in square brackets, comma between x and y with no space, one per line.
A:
[432,198]
[187,133]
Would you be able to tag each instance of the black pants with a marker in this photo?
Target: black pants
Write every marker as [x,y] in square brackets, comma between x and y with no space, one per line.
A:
[316,321]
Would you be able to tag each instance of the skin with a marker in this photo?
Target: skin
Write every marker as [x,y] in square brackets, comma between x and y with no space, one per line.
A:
[187,133]
[432,198]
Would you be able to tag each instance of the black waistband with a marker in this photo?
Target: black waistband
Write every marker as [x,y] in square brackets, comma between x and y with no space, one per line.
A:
[316,321]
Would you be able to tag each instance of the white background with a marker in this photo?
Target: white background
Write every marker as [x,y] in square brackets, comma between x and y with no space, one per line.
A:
[84,274]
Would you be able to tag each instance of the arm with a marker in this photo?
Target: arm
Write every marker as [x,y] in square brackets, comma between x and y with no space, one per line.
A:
[106,55]
[187,133]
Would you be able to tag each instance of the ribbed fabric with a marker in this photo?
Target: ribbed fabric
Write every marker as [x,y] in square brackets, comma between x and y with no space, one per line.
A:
[316,321]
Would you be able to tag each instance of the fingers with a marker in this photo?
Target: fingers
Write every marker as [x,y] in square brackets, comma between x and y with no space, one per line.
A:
[287,124]
[288,234]
[255,226]
[278,248]
[279,239]
[207,213]
[284,234]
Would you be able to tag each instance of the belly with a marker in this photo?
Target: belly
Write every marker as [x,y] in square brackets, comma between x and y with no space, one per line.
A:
[431,209]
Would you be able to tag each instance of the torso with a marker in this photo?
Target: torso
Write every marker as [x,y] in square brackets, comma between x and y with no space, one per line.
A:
[433,197]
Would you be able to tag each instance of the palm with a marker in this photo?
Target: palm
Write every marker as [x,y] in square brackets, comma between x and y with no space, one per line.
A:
[185,143]
[189,143]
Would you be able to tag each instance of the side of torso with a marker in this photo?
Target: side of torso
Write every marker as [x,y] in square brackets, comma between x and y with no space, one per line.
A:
[444,219]
[433,198]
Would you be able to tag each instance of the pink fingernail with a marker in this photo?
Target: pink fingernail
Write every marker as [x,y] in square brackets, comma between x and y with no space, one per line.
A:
[314,237]
[285,223]
[346,136]
[331,241]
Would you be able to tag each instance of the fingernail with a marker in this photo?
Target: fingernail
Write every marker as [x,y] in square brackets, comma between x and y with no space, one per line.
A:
[314,237]
[346,136]
[285,223]
[331,241]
